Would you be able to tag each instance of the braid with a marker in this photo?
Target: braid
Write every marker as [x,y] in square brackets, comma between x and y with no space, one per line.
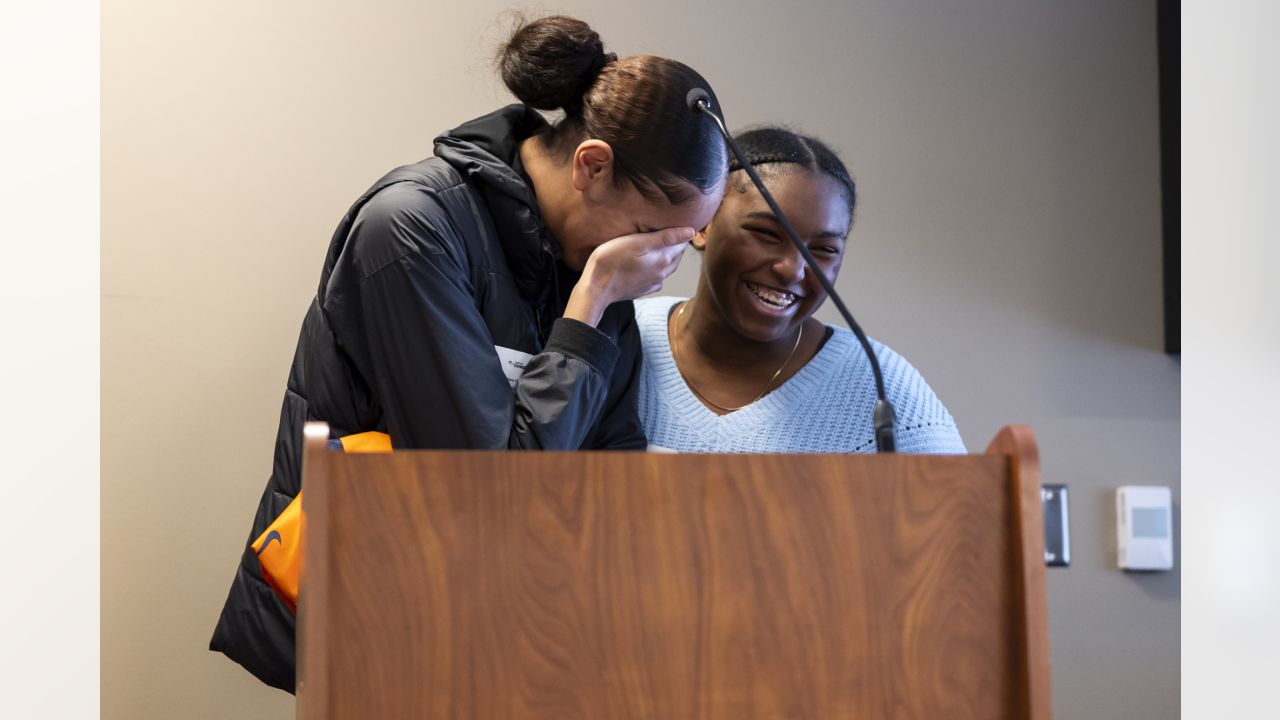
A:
[770,146]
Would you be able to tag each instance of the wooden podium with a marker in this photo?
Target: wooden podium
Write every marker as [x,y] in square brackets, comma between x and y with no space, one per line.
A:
[611,585]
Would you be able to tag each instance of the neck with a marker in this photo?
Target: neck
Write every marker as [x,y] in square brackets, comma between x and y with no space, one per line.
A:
[706,337]
[545,174]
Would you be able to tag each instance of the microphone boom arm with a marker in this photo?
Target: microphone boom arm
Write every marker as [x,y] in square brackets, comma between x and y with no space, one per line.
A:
[883,420]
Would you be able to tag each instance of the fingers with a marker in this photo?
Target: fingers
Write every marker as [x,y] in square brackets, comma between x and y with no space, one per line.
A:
[672,253]
[668,264]
[676,236]
[673,257]
[675,262]
[656,266]
[638,264]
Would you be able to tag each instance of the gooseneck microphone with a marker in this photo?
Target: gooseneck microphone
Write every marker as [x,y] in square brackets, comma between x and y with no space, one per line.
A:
[883,418]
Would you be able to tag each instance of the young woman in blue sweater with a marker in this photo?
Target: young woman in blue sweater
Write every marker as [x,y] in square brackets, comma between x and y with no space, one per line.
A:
[743,366]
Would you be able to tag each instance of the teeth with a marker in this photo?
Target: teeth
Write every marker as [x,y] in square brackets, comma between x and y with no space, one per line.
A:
[769,296]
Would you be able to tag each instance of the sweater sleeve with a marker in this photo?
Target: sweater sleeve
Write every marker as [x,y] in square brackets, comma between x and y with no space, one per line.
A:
[412,329]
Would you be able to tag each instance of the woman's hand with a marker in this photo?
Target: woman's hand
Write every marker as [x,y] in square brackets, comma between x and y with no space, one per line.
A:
[626,268]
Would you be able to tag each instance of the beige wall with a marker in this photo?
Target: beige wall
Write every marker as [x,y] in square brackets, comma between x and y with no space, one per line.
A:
[1007,243]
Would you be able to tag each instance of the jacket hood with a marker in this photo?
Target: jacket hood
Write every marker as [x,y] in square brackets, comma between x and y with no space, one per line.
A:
[486,152]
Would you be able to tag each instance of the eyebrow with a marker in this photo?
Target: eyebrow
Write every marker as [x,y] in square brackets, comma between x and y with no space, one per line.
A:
[824,235]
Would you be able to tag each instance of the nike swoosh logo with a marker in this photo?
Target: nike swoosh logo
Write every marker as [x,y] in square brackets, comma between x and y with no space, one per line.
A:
[273,535]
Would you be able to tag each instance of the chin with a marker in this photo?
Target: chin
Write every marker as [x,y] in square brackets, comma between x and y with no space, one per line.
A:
[762,330]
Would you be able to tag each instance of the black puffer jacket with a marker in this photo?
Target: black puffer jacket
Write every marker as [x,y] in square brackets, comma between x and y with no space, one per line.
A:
[434,266]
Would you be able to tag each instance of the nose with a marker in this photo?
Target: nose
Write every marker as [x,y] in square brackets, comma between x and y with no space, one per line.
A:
[789,264]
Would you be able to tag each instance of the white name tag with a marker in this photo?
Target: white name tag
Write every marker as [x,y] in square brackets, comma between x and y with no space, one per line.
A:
[513,363]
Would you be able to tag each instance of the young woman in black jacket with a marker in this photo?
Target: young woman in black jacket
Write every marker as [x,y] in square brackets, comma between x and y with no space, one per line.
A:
[481,298]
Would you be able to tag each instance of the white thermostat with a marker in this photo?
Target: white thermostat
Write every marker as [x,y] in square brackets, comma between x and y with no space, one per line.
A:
[1144,527]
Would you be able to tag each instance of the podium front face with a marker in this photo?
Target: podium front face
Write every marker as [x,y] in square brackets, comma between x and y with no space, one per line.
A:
[631,585]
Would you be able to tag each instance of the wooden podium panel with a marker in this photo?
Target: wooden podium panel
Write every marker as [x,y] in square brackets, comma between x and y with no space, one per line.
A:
[635,585]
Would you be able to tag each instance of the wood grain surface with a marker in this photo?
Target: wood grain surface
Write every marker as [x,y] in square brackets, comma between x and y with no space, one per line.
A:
[1018,443]
[632,585]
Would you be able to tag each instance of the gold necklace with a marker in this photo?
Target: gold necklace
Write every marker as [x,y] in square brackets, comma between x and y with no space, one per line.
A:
[675,356]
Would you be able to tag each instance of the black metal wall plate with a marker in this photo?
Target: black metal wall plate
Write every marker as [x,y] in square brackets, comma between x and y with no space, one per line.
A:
[1057,531]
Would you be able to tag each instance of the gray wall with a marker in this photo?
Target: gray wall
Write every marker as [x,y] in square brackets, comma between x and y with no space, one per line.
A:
[1007,243]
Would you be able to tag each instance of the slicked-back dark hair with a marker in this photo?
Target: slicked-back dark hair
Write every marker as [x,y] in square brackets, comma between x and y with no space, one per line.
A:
[768,146]
[635,104]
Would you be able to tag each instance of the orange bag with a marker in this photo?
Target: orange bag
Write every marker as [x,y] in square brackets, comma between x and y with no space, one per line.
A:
[280,547]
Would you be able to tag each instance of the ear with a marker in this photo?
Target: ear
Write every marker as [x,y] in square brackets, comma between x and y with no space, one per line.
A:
[593,169]
[699,241]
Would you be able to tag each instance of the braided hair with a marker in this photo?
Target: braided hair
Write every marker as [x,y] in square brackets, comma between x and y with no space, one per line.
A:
[770,148]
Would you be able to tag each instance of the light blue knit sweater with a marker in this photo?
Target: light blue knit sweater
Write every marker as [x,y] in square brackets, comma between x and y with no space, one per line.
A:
[826,407]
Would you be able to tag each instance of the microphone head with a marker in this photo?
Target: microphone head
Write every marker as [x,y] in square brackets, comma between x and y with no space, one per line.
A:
[696,96]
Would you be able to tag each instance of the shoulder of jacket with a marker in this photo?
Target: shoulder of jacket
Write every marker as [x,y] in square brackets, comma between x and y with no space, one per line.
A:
[432,173]
[429,197]
[419,187]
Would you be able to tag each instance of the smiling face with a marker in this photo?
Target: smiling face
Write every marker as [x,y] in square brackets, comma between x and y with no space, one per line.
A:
[752,274]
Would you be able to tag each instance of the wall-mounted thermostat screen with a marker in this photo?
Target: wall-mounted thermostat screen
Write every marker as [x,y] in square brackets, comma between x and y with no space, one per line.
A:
[1150,522]
[1144,531]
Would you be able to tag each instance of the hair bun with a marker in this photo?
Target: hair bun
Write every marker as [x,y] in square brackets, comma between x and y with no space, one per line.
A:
[551,62]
